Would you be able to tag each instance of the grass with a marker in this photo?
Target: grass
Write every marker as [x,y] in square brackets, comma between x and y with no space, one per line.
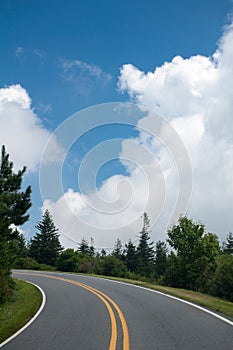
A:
[16,313]
[215,304]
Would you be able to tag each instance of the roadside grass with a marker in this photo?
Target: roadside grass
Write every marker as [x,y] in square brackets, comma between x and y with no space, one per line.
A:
[15,313]
[212,303]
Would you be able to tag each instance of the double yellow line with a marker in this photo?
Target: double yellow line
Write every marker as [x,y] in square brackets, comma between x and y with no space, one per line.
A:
[108,302]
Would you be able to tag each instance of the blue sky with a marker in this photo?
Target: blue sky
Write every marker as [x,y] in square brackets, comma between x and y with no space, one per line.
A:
[70,55]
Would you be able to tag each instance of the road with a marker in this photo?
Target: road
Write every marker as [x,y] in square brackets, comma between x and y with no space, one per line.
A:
[88,313]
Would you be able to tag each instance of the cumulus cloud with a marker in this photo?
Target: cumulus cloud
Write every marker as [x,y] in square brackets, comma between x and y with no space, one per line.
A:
[196,96]
[21,130]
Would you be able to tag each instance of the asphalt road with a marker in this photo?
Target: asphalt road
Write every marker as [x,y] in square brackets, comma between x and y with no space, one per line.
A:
[76,316]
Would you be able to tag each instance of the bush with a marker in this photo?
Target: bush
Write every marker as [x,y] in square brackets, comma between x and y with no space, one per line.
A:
[112,266]
[27,264]
[45,267]
[68,261]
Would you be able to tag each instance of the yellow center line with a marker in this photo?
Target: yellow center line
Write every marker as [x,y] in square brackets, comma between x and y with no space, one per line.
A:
[103,297]
[121,316]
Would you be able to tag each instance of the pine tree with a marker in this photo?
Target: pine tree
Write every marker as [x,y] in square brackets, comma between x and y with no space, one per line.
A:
[14,205]
[92,248]
[145,251]
[84,247]
[160,258]
[45,247]
[103,253]
[117,251]
[131,256]
[228,245]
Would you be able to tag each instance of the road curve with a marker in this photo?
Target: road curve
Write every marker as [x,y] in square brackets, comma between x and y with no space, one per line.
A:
[91,313]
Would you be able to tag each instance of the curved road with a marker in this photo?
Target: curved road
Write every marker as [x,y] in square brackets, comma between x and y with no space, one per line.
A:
[88,313]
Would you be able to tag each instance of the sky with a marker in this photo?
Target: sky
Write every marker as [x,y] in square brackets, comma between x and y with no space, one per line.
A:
[117,108]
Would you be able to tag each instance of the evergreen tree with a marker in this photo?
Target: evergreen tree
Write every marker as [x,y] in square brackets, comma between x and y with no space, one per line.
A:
[160,258]
[145,251]
[45,247]
[92,248]
[103,253]
[19,247]
[228,245]
[14,205]
[117,251]
[131,256]
[84,247]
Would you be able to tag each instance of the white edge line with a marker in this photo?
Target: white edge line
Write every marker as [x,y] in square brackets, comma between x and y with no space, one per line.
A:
[32,319]
[171,297]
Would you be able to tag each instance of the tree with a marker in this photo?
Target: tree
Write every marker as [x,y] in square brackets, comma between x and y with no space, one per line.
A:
[103,253]
[222,283]
[145,251]
[160,258]
[113,266]
[68,261]
[14,205]
[84,247]
[196,252]
[92,248]
[45,247]
[228,245]
[18,246]
[131,256]
[117,251]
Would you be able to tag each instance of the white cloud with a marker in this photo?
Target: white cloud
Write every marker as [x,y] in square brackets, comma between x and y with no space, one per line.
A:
[84,77]
[196,96]
[21,131]
[83,67]
[21,51]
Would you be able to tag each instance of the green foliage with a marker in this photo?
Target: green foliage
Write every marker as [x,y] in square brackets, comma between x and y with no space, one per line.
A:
[117,251]
[14,205]
[45,247]
[228,245]
[222,283]
[84,247]
[173,274]
[196,254]
[113,266]
[145,251]
[131,256]
[27,263]
[160,258]
[68,261]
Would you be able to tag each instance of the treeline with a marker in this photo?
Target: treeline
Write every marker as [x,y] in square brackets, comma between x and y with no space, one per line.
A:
[190,258]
